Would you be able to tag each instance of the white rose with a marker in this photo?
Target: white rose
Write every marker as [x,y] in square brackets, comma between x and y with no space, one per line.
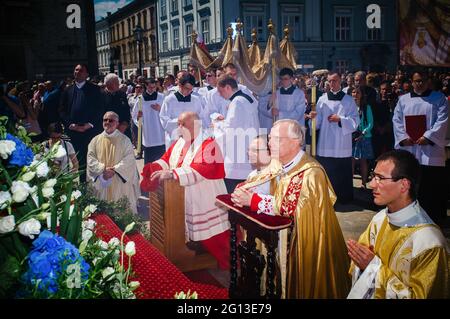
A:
[102,244]
[108,271]
[114,242]
[42,169]
[20,191]
[89,224]
[89,210]
[60,151]
[7,224]
[134,285]
[76,194]
[28,176]
[7,148]
[48,192]
[5,199]
[30,228]
[63,198]
[86,235]
[130,249]
[50,183]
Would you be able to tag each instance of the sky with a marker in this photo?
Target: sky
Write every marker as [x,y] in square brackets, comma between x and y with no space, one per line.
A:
[104,6]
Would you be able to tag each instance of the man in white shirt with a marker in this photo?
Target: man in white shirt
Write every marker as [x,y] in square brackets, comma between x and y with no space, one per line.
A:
[152,131]
[337,119]
[429,148]
[174,104]
[240,126]
[289,101]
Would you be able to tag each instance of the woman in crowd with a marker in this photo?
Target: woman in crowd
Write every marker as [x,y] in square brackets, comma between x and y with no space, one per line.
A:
[362,138]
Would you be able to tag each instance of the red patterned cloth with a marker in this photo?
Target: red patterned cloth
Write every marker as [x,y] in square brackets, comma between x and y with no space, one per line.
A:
[159,278]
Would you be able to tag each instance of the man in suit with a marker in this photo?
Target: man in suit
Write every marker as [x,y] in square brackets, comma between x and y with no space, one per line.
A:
[81,110]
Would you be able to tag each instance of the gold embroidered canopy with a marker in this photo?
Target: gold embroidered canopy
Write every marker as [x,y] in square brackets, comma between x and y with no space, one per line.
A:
[256,71]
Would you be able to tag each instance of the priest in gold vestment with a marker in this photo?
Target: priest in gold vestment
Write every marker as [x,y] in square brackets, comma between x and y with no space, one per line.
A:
[312,257]
[111,165]
[402,254]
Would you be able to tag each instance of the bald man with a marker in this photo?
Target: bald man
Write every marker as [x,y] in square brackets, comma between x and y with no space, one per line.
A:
[196,162]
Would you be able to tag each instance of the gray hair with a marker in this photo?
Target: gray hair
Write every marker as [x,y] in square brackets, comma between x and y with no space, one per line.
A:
[295,130]
[113,114]
[361,74]
[110,77]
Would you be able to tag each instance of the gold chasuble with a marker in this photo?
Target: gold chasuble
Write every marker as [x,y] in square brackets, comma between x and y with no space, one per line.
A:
[316,263]
[411,258]
[113,150]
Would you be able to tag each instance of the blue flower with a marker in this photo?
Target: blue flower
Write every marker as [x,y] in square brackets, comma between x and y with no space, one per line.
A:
[48,260]
[22,155]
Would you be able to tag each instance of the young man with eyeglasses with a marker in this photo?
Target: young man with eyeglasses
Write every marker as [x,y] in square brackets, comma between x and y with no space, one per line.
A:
[402,253]
[424,113]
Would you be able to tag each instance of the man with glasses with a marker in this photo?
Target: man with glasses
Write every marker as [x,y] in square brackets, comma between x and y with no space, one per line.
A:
[211,80]
[420,125]
[174,104]
[312,255]
[111,166]
[287,103]
[402,253]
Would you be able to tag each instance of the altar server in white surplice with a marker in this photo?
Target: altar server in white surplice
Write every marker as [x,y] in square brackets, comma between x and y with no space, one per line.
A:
[152,132]
[337,118]
[289,101]
[241,125]
[427,114]
[111,166]
[195,161]
[174,104]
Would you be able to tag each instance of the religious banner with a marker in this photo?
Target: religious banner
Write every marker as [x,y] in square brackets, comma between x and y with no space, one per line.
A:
[424,28]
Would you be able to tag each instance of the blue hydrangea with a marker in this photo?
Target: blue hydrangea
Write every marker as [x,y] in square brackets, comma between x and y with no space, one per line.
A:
[48,259]
[22,155]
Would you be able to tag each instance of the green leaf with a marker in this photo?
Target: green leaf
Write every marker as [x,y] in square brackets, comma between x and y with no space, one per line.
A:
[66,211]
[54,215]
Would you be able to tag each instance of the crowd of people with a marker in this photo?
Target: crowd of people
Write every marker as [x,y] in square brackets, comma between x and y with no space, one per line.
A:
[210,134]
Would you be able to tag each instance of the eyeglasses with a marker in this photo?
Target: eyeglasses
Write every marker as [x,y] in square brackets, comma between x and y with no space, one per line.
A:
[379,179]
[109,120]
[257,150]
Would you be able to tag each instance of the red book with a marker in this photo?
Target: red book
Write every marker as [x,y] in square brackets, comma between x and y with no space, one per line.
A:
[416,125]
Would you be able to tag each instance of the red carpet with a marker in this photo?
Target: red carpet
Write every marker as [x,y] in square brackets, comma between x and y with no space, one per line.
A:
[159,278]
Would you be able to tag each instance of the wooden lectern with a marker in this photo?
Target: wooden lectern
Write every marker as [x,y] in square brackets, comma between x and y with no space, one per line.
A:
[167,229]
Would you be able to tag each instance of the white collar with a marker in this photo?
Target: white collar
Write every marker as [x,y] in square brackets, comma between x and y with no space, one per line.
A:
[116,132]
[295,161]
[411,215]
[80,84]
[335,92]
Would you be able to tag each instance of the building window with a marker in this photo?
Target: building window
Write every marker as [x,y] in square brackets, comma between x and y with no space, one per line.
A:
[164,41]
[123,29]
[293,16]
[152,18]
[163,7]
[144,15]
[342,18]
[176,38]
[255,17]
[174,6]
[154,48]
[188,35]
[187,3]
[205,30]
[129,27]
[342,66]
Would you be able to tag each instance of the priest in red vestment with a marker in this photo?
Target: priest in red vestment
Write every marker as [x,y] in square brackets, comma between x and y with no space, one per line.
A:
[197,163]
